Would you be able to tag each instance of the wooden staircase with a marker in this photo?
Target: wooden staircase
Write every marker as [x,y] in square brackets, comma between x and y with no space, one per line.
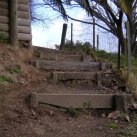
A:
[71,65]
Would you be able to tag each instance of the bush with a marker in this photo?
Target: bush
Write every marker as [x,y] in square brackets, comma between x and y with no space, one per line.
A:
[5,79]
[73,112]
[14,69]
[85,47]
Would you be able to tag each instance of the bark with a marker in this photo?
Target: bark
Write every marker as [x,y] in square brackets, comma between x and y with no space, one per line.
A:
[118,65]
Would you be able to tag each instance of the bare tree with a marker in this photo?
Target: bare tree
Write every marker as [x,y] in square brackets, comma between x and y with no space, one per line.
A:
[109,12]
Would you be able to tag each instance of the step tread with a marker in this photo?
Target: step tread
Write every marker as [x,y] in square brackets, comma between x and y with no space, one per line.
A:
[72,66]
[55,51]
[76,75]
[98,101]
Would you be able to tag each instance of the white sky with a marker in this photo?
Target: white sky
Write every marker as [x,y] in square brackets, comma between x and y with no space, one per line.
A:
[50,34]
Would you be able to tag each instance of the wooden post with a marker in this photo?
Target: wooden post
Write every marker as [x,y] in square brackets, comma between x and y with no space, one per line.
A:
[94,34]
[64,31]
[14,22]
[71,34]
[97,42]
[129,47]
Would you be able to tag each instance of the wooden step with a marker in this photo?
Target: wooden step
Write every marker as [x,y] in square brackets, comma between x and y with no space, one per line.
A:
[67,57]
[97,101]
[62,76]
[53,51]
[70,66]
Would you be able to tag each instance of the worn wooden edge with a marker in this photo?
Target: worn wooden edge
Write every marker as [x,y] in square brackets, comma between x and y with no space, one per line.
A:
[4,0]
[60,57]
[33,96]
[4,27]
[122,102]
[62,76]
[45,50]
[4,20]
[23,7]
[64,65]
[77,100]
[24,22]
[26,2]
[24,37]
[4,4]
[24,29]
[23,14]
[4,12]
[93,101]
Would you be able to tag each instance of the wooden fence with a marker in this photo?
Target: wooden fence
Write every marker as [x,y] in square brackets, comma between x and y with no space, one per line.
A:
[15,20]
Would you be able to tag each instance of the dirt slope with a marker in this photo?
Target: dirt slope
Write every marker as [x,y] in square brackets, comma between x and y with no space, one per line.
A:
[17,119]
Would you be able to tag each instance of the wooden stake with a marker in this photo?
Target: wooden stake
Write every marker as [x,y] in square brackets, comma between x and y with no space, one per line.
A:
[64,31]
[14,22]
[71,34]
[94,34]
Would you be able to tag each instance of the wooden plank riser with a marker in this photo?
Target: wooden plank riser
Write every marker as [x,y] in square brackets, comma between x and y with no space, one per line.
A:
[72,66]
[93,101]
[53,51]
[63,76]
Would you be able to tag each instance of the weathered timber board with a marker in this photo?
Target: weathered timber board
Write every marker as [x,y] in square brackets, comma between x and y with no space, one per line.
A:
[75,75]
[24,37]
[77,100]
[24,29]
[61,57]
[4,27]
[23,2]
[23,7]
[60,65]
[4,20]
[53,51]
[4,5]
[24,22]
[24,15]
[4,12]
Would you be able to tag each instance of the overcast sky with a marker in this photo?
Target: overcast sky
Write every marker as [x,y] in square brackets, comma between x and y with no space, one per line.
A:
[49,33]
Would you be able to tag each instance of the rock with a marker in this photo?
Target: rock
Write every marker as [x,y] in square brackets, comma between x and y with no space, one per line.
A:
[100,128]
[116,121]
[69,118]
[135,106]
[6,128]
[127,118]
[114,115]
[51,113]
[33,113]
[22,82]
[103,115]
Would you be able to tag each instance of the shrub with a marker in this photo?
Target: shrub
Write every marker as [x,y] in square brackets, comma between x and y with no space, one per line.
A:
[15,69]
[5,79]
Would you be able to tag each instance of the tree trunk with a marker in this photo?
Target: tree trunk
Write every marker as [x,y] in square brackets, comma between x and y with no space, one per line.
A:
[132,33]
[129,48]
[119,45]
[122,41]
[120,33]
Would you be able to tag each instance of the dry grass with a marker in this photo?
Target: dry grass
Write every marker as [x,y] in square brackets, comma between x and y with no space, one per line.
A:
[131,80]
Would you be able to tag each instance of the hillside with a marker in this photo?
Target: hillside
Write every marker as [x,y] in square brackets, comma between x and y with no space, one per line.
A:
[18,77]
